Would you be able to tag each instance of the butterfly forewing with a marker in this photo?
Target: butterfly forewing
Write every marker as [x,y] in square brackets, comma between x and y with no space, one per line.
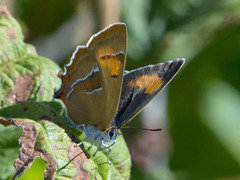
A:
[109,47]
[140,86]
[82,89]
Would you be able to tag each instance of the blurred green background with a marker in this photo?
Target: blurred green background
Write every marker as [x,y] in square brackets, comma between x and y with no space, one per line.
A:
[199,112]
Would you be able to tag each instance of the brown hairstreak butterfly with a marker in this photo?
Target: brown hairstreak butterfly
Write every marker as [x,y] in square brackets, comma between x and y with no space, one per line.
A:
[99,95]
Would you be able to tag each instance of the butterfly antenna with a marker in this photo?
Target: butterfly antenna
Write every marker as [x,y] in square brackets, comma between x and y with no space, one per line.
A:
[139,128]
[68,162]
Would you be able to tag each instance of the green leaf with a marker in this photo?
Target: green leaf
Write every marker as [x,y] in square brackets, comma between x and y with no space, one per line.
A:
[23,74]
[36,170]
[9,149]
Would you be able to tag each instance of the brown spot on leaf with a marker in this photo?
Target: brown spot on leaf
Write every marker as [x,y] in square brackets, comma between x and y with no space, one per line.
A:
[27,143]
[22,89]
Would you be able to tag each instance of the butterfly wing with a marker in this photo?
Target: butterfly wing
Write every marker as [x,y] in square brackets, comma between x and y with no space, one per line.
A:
[109,47]
[140,86]
[92,81]
[82,89]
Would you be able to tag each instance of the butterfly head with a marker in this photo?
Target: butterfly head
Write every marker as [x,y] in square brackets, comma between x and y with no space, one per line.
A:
[103,139]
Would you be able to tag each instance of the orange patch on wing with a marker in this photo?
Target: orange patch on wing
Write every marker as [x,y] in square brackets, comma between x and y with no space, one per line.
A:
[148,83]
[115,67]
[112,62]
[154,86]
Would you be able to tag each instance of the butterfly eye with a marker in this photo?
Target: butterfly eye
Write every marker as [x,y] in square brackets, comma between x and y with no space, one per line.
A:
[113,133]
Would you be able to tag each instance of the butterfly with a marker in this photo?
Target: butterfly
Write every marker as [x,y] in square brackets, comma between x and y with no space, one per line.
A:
[99,95]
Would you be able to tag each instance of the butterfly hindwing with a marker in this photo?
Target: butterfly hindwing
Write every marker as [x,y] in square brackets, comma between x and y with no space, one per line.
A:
[81,87]
[140,86]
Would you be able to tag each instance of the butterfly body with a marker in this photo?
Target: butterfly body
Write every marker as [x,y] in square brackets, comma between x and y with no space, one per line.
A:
[101,138]
[99,95]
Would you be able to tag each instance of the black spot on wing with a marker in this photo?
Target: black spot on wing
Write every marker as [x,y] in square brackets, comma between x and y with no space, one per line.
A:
[114,76]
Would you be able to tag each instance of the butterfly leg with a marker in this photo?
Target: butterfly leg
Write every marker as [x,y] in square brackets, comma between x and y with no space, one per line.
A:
[109,151]
[86,132]
[108,146]
[79,144]
[98,149]
[82,126]
[108,157]
[91,145]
